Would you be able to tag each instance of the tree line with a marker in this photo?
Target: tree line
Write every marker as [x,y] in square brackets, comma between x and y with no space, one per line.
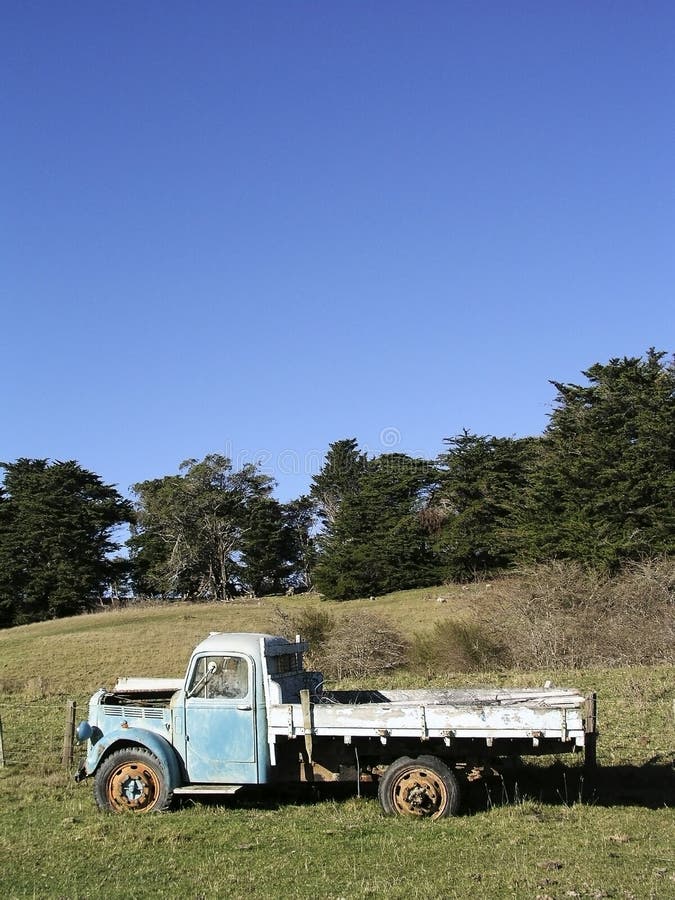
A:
[596,487]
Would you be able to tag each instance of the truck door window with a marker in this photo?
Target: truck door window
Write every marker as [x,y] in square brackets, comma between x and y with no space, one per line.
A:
[228,679]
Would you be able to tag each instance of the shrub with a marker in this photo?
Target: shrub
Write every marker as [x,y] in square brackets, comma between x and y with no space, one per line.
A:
[355,646]
[363,645]
[562,615]
[456,647]
[313,625]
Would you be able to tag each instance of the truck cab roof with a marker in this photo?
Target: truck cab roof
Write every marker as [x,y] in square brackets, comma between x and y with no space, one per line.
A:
[249,643]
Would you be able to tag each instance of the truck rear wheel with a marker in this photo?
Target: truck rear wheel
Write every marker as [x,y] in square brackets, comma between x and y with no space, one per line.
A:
[132,780]
[424,787]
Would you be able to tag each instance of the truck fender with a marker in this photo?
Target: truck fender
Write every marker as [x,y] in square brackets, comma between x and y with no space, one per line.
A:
[137,737]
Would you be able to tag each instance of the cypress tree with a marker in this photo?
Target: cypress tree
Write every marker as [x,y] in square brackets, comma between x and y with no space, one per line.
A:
[377,541]
[482,479]
[602,490]
[56,527]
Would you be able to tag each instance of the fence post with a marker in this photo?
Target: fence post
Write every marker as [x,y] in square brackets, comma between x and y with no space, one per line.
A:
[2,749]
[69,734]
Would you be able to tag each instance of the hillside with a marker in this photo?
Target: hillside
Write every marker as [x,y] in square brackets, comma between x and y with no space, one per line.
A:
[77,654]
[552,831]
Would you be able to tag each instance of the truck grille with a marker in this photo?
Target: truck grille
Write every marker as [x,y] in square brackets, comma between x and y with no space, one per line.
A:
[134,712]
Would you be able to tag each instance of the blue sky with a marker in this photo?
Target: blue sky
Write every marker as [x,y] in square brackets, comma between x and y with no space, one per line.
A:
[255,228]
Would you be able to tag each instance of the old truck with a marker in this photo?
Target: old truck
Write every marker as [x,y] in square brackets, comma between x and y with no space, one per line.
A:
[248,713]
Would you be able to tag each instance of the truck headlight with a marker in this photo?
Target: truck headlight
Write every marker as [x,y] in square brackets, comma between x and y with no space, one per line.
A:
[83,732]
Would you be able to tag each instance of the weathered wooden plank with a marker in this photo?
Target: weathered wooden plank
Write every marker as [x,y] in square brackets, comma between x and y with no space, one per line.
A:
[405,720]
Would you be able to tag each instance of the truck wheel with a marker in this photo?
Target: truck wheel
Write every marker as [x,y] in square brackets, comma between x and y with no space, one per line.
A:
[423,787]
[131,780]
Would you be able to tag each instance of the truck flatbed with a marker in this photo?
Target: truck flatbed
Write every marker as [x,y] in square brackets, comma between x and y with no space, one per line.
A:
[486,714]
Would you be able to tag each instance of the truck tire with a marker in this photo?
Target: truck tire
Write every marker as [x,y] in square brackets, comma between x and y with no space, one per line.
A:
[132,780]
[424,787]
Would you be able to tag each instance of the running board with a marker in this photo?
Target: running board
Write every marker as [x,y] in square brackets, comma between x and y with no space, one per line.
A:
[208,789]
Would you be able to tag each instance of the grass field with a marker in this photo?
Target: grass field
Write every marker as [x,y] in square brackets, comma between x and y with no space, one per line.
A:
[544,831]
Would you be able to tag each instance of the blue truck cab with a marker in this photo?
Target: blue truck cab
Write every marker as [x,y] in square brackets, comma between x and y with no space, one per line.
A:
[150,739]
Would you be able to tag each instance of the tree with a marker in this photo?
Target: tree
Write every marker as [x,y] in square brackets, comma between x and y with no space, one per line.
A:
[300,517]
[210,532]
[267,549]
[602,488]
[9,597]
[482,479]
[339,478]
[56,526]
[376,541]
[148,556]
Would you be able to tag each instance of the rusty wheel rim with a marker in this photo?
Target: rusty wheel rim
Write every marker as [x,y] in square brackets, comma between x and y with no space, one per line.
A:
[133,786]
[418,791]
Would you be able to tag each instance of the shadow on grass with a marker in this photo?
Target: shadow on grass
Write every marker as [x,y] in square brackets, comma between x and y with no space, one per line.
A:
[651,786]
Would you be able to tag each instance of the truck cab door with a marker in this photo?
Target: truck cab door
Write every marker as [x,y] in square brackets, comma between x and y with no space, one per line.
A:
[220,720]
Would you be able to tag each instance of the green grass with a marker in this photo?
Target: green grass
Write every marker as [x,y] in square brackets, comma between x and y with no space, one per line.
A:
[58,846]
[545,831]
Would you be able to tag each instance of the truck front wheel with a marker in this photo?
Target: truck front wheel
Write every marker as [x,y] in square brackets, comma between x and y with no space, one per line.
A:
[131,780]
[424,787]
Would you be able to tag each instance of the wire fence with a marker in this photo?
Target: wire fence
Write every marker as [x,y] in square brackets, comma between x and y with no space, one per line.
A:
[39,734]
